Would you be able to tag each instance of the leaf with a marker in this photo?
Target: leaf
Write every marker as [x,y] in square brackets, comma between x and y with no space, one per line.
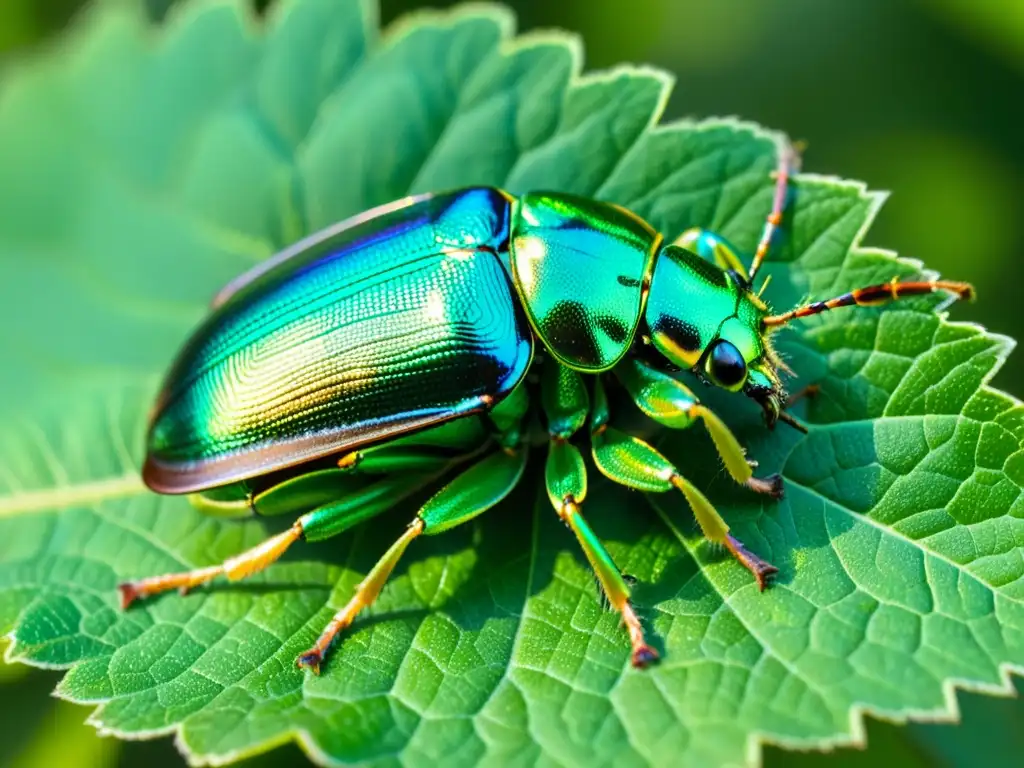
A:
[144,168]
[988,726]
[41,731]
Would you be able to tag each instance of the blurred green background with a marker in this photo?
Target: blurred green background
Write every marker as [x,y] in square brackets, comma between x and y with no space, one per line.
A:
[921,97]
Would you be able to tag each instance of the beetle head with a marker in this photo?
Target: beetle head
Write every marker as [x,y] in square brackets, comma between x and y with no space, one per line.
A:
[708,321]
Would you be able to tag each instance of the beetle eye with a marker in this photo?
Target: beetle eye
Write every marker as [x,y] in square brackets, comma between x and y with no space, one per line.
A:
[726,366]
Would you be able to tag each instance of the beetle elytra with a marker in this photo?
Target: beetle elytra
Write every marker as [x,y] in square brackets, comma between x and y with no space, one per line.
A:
[372,359]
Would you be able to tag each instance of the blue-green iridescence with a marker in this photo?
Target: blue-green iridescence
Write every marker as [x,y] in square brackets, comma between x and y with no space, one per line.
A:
[713,248]
[401,318]
[689,305]
[580,266]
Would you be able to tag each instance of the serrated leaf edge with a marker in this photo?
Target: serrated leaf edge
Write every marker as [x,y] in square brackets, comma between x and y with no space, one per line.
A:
[123,485]
[949,710]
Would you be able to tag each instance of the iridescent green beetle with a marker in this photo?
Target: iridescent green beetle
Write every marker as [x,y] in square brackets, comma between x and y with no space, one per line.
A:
[376,357]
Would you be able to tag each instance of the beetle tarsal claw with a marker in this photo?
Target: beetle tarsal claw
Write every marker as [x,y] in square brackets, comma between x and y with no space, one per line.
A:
[644,656]
[310,660]
[129,594]
[762,569]
[770,486]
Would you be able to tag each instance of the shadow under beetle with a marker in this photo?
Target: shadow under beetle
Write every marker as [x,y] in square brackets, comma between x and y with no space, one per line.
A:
[373,358]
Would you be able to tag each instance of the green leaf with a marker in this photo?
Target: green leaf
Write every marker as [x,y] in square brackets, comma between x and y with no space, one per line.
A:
[41,731]
[144,168]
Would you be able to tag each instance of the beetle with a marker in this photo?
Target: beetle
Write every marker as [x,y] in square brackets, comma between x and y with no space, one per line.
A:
[371,359]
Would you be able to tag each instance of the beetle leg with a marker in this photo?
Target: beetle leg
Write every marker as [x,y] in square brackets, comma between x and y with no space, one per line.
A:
[810,392]
[238,567]
[715,248]
[712,247]
[476,490]
[789,161]
[437,448]
[668,401]
[631,462]
[404,460]
[567,487]
[338,505]
[566,403]
[365,595]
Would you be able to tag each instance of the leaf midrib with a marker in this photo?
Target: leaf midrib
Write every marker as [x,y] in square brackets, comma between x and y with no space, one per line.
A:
[63,496]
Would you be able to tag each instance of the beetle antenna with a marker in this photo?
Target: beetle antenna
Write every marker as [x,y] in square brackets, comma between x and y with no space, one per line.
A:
[873,295]
[789,161]
[764,285]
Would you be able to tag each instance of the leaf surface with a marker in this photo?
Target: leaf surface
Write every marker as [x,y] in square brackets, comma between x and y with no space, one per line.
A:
[146,167]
